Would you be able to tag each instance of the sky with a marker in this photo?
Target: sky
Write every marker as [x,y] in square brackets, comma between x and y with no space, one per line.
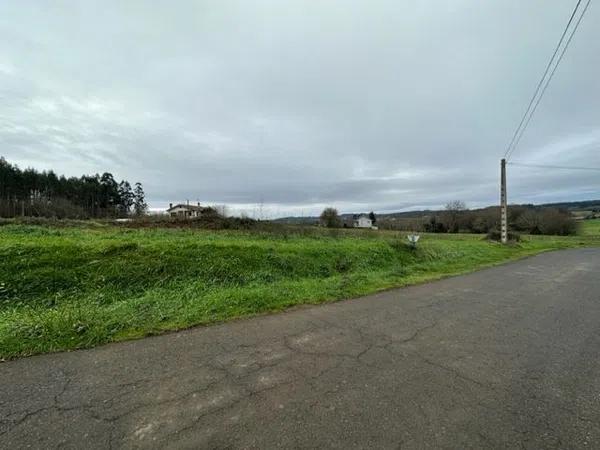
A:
[278,108]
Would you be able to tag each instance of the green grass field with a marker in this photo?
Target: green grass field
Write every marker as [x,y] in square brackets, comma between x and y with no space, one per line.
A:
[76,287]
[590,227]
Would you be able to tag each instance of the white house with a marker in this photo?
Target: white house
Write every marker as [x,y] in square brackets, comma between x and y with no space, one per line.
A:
[363,221]
[184,210]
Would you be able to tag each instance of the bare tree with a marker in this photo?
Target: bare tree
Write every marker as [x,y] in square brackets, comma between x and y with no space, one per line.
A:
[451,217]
[456,205]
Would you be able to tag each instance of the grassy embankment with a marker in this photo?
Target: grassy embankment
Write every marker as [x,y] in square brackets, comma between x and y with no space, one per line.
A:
[67,288]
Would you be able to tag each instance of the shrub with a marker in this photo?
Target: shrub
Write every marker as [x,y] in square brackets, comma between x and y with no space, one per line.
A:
[529,221]
[330,218]
[555,221]
[494,235]
[545,221]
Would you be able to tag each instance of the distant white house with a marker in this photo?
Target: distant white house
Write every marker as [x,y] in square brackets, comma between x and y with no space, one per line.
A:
[185,210]
[363,221]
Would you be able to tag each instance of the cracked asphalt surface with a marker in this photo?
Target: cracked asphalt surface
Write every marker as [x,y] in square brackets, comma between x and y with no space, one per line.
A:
[505,357]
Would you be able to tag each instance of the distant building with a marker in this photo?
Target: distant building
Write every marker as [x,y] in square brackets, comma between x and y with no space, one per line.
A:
[363,221]
[185,210]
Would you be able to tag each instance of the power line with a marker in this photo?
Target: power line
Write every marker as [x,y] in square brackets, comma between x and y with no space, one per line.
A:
[550,78]
[530,111]
[545,166]
[537,89]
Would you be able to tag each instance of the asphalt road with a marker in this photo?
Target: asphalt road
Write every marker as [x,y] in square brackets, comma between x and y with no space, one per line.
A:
[507,357]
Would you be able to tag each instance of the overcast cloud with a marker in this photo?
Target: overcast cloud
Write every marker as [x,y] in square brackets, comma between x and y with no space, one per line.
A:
[382,105]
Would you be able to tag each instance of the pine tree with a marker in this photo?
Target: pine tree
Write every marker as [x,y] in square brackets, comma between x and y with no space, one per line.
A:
[47,194]
[139,205]
[126,198]
[109,194]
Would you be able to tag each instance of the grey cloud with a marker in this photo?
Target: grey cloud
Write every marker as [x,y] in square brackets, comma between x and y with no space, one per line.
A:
[300,104]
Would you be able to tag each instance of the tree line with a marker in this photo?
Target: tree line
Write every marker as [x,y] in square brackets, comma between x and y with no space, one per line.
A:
[28,192]
[457,218]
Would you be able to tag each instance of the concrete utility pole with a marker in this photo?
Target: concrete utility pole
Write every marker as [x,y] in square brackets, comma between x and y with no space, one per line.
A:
[503,203]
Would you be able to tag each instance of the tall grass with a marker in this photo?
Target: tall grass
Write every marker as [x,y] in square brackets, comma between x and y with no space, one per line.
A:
[74,287]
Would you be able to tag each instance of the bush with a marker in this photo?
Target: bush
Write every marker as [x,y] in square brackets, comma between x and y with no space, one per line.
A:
[208,221]
[530,221]
[435,226]
[494,235]
[330,218]
[551,221]
[555,221]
